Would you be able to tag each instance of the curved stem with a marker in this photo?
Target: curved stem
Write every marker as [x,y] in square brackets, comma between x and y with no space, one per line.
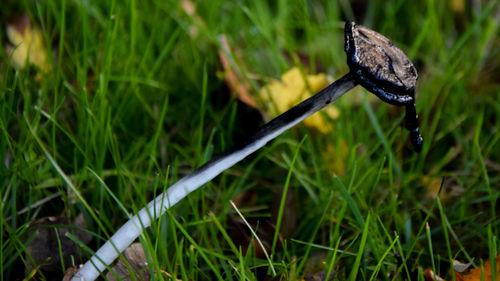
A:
[133,228]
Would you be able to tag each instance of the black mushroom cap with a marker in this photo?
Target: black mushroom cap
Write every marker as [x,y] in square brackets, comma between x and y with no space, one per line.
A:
[380,66]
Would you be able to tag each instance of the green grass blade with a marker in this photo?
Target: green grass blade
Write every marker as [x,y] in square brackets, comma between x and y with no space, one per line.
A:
[362,247]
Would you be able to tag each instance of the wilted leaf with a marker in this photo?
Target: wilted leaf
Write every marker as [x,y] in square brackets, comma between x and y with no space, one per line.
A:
[318,276]
[294,88]
[432,187]
[431,276]
[27,45]
[335,156]
[315,265]
[189,7]
[169,275]
[460,266]
[50,243]
[446,192]
[479,274]
[277,96]
[462,274]
[232,75]
[70,271]
[136,258]
[458,6]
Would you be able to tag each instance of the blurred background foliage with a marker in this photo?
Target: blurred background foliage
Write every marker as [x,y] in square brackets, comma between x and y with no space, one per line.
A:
[132,95]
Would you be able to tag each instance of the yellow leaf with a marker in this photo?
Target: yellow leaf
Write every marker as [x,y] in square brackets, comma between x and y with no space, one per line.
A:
[432,187]
[447,192]
[335,156]
[458,6]
[293,88]
[27,45]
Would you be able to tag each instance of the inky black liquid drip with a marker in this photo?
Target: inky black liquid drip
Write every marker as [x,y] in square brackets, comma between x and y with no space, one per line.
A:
[383,69]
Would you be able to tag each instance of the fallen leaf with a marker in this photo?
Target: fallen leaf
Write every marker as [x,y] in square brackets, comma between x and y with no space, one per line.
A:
[320,122]
[458,6]
[431,276]
[432,187]
[189,7]
[136,258]
[27,45]
[335,156]
[170,275]
[315,267]
[318,276]
[277,96]
[449,189]
[460,266]
[463,274]
[70,271]
[479,274]
[50,243]
[293,88]
[232,75]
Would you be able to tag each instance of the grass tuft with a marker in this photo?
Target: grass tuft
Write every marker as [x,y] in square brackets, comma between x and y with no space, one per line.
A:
[136,98]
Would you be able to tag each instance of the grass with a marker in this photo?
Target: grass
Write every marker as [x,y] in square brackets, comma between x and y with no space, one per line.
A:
[134,102]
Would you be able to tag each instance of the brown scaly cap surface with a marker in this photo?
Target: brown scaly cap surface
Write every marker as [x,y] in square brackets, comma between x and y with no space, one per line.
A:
[379,65]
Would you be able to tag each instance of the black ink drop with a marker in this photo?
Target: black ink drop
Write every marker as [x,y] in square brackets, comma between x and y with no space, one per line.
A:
[383,69]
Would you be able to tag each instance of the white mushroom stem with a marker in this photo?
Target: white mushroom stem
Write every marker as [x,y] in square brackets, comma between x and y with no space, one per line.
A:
[175,193]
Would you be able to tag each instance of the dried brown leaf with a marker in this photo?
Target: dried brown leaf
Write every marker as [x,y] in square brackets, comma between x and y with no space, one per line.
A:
[70,271]
[189,7]
[447,193]
[479,274]
[232,75]
[335,155]
[50,243]
[321,276]
[431,276]
[136,258]
[463,274]
[460,266]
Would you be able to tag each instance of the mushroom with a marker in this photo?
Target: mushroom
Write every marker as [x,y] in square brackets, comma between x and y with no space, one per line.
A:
[383,69]
[375,63]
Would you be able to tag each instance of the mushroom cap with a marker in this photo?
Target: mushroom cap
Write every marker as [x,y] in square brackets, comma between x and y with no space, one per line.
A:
[379,65]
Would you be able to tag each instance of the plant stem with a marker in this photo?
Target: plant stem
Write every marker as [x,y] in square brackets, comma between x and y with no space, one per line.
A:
[133,228]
